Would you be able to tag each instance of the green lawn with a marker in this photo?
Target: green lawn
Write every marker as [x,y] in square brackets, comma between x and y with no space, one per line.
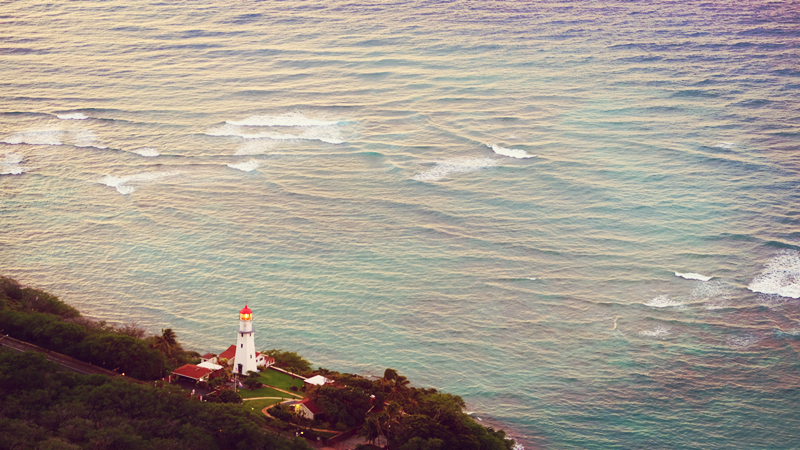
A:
[258,405]
[263,392]
[279,379]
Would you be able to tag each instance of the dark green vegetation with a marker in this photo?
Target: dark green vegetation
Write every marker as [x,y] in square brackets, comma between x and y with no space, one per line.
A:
[42,319]
[41,408]
[290,361]
[409,418]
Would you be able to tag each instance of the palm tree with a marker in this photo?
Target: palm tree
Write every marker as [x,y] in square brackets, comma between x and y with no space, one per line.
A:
[398,388]
[167,343]
[372,429]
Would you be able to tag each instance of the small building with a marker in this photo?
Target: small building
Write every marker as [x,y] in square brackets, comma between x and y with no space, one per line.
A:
[318,380]
[210,365]
[193,372]
[230,356]
[227,355]
[264,360]
[307,409]
[209,357]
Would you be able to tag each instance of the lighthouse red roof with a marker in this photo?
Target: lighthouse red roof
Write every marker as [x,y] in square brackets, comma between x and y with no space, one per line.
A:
[245,310]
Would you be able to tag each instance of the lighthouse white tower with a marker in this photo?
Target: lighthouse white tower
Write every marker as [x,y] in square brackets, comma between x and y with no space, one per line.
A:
[245,359]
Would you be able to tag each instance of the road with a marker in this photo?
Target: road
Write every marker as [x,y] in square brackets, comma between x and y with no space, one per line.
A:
[64,361]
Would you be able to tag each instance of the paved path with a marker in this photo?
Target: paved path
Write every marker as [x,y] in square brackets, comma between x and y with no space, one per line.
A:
[285,392]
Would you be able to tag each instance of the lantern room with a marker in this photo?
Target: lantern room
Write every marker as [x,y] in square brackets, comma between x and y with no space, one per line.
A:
[245,314]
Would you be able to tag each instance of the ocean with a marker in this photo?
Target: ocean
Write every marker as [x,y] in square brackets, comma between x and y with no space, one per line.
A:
[581,217]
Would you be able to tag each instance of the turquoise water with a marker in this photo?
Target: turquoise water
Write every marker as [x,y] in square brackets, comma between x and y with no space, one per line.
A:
[493,198]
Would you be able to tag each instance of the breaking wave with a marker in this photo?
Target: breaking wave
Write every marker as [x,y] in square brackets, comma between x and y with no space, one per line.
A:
[658,331]
[442,169]
[147,152]
[255,147]
[663,301]
[85,138]
[715,295]
[36,137]
[128,184]
[781,276]
[295,119]
[693,276]
[328,134]
[10,165]
[248,166]
[746,340]
[72,116]
[510,152]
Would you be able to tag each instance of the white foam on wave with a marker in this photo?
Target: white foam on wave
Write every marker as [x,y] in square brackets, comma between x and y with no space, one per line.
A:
[248,166]
[72,116]
[693,276]
[256,147]
[746,340]
[329,135]
[715,294]
[147,152]
[10,165]
[658,331]
[128,184]
[442,169]
[47,136]
[781,276]
[294,119]
[726,145]
[85,138]
[663,301]
[510,152]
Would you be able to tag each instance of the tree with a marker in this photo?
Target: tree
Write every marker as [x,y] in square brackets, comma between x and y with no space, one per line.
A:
[252,380]
[167,343]
[396,385]
[372,429]
[289,360]
[225,396]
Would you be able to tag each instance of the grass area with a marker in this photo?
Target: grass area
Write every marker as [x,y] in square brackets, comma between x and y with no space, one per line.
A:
[258,405]
[279,379]
[263,392]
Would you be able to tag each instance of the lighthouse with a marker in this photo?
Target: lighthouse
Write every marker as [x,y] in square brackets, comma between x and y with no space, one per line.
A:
[245,359]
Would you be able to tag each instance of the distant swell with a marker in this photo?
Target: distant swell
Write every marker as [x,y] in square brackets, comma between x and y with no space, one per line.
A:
[781,276]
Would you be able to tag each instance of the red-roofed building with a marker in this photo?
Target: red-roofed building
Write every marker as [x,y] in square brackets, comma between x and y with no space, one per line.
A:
[230,355]
[209,357]
[192,372]
[264,360]
[307,409]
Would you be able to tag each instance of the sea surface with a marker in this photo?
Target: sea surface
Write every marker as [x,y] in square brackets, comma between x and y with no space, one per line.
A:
[582,217]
